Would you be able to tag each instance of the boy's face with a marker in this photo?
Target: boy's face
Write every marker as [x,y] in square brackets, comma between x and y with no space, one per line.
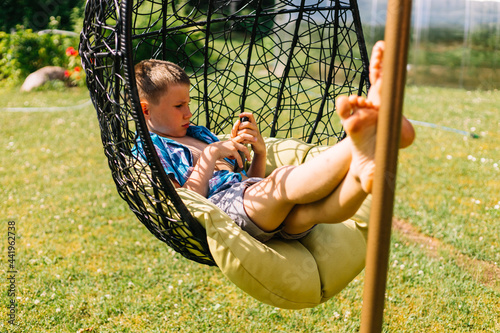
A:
[171,115]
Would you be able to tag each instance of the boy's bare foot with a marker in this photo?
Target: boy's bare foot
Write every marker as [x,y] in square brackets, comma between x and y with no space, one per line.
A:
[375,93]
[376,71]
[359,117]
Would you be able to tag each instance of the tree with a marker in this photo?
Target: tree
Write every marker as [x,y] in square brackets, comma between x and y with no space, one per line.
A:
[36,14]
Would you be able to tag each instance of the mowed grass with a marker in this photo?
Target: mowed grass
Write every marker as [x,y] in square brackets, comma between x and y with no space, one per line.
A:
[86,264]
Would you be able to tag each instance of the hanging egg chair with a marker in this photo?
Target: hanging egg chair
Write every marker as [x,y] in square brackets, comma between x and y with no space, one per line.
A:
[286,61]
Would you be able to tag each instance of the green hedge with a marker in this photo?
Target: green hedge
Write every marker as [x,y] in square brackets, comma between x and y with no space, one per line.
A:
[23,52]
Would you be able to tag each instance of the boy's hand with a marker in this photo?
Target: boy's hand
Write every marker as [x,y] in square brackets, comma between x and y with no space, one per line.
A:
[203,170]
[247,132]
[229,149]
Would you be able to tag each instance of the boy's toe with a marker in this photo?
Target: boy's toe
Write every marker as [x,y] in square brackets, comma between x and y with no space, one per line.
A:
[344,108]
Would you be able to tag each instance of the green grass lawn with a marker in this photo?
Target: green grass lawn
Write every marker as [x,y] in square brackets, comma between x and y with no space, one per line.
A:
[85,263]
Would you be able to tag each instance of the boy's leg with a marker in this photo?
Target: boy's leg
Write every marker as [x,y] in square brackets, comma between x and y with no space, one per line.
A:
[360,121]
[331,187]
[327,189]
[270,201]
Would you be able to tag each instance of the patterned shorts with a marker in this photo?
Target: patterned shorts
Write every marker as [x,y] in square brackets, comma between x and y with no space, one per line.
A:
[230,201]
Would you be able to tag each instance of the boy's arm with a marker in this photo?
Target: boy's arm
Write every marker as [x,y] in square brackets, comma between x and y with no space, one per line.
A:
[258,166]
[247,132]
[204,169]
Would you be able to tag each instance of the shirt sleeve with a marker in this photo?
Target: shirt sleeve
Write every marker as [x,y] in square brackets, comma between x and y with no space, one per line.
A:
[175,159]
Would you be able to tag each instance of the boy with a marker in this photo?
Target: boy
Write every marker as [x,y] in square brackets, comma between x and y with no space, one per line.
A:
[293,199]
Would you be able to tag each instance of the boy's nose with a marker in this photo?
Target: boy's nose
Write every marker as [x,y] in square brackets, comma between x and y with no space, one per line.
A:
[187,113]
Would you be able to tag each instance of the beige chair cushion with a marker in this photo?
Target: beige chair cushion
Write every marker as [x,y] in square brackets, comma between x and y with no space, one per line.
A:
[286,274]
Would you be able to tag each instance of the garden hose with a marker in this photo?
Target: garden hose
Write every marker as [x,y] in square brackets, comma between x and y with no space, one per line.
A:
[444,128]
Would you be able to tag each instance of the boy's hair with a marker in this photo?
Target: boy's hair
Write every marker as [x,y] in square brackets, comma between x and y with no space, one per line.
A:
[153,77]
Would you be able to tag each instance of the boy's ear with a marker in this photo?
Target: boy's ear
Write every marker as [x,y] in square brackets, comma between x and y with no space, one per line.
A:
[145,108]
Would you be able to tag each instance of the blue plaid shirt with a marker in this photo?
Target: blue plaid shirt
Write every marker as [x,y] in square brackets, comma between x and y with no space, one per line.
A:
[177,159]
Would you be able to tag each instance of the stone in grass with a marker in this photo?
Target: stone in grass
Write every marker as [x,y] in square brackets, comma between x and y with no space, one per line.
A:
[43,75]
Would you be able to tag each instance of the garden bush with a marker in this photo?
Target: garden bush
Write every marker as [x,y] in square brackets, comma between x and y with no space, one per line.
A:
[24,51]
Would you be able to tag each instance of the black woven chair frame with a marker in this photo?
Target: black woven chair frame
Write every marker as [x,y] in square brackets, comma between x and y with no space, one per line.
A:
[285,61]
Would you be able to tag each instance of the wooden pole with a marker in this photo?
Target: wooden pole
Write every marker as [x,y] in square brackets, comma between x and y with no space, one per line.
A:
[386,155]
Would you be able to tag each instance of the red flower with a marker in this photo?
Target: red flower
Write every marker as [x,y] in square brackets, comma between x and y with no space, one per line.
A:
[73,72]
[70,51]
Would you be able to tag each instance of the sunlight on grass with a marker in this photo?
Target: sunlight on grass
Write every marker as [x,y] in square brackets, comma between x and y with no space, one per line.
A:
[451,182]
[85,262]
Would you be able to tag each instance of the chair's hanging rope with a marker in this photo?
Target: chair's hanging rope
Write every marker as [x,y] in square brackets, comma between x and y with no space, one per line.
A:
[386,155]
